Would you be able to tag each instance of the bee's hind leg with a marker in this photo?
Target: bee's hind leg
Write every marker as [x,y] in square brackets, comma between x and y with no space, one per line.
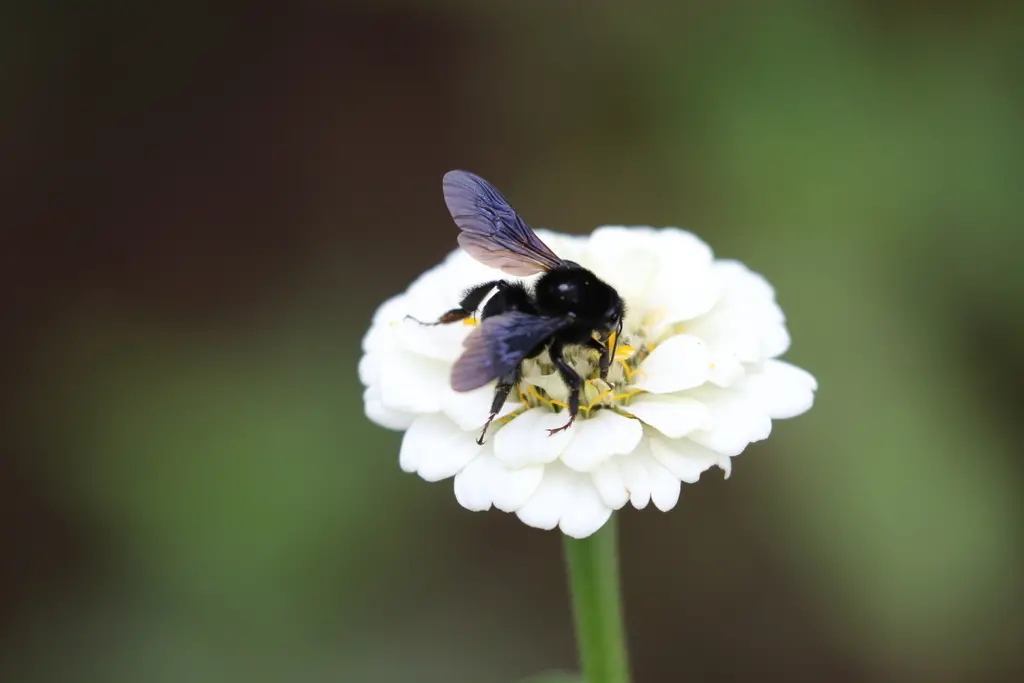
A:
[471,301]
[504,388]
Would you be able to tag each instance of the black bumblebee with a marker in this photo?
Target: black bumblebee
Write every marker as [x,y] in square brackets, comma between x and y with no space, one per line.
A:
[567,306]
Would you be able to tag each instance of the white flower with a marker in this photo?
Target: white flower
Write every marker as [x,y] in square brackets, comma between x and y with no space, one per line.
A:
[695,380]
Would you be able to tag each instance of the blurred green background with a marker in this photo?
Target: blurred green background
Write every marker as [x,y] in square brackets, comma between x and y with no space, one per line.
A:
[205,207]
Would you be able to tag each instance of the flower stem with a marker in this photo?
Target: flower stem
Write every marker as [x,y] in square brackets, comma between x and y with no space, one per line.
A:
[593,565]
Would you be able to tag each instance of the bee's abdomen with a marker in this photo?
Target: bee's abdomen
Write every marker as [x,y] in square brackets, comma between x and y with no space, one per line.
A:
[511,296]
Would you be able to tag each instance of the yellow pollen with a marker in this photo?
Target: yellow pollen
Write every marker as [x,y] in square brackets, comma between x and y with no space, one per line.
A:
[470,322]
[711,365]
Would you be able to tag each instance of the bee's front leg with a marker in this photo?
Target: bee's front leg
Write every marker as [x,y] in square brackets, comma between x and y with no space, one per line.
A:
[571,379]
[606,355]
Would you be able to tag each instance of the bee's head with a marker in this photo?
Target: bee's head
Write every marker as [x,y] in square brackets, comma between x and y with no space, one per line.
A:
[611,320]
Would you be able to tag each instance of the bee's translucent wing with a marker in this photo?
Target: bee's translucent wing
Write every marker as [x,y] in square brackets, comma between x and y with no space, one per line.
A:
[499,344]
[492,232]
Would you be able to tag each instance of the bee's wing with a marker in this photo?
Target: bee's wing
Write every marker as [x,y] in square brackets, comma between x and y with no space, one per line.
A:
[499,344]
[492,232]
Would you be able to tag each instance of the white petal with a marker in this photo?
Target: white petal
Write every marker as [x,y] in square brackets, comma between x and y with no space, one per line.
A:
[440,342]
[682,249]
[774,340]
[673,416]
[624,258]
[678,363]
[737,419]
[435,448]
[544,508]
[485,481]
[380,336]
[783,390]
[683,293]
[565,499]
[741,283]
[470,409]
[685,459]
[609,483]
[413,383]
[369,368]
[725,367]
[727,332]
[526,441]
[587,512]
[473,485]
[664,486]
[636,478]
[725,464]
[385,417]
[596,439]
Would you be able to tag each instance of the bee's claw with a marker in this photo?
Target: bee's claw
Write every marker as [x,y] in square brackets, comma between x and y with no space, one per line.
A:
[552,432]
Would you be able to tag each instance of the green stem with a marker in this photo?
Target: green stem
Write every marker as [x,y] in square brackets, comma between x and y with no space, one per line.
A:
[594,583]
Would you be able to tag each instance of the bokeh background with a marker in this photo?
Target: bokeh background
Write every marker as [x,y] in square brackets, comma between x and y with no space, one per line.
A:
[206,204]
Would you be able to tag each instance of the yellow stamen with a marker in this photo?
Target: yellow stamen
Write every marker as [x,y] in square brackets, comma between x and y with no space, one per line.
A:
[522,399]
[471,322]
[628,394]
[596,400]
[532,391]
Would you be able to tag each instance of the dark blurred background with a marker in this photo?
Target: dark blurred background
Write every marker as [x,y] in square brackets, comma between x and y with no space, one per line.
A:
[203,206]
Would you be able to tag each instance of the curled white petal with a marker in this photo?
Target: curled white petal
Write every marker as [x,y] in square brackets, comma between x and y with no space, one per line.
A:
[597,439]
[783,390]
[676,364]
[526,441]
[725,368]
[737,419]
[685,459]
[610,484]
[568,500]
[636,478]
[665,487]
[672,415]
[485,482]
[435,448]
[413,383]
[470,409]
[385,417]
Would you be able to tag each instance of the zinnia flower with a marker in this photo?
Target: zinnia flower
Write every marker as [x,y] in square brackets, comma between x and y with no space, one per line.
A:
[695,379]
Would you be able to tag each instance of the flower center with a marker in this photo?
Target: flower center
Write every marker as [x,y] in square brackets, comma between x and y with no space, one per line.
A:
[542,386]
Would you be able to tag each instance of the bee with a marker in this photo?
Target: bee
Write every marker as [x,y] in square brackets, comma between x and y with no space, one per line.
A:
[568,304]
